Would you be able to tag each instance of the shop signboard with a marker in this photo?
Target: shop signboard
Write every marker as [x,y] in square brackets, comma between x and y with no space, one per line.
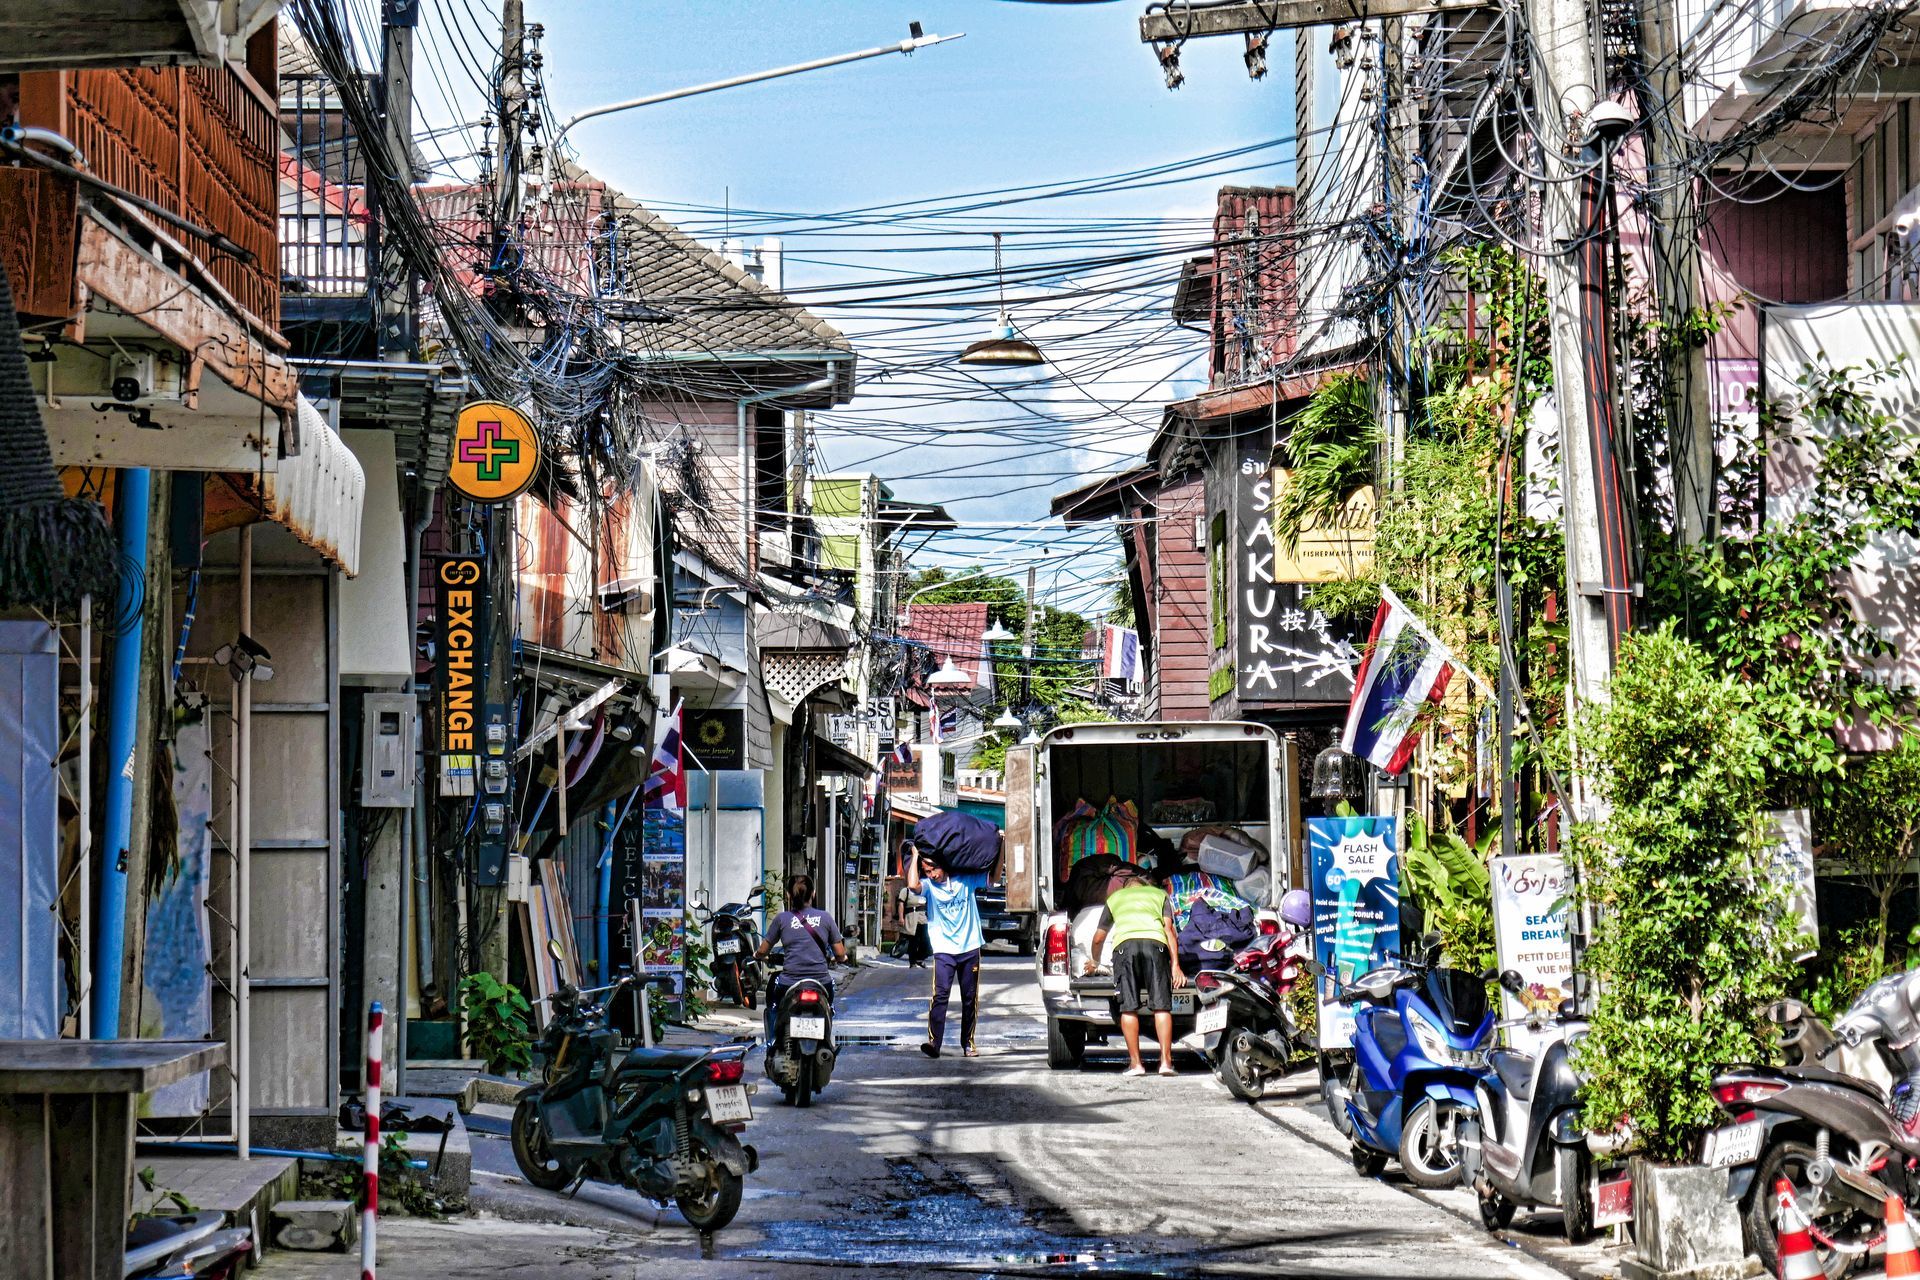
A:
[1356,908]
[716,738]
[1532,896]
[1283,651]
[459,625]
[663,894]
[496,452]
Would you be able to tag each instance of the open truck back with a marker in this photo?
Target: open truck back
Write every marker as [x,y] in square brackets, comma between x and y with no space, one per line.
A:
[1235,773]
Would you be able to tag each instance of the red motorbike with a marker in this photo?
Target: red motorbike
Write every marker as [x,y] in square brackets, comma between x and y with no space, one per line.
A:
[1243,1020]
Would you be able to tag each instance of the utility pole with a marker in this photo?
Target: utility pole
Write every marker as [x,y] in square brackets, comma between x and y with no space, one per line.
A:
[491,927]
[1566,87]
[398,20]
[1673,228]
[1026,643]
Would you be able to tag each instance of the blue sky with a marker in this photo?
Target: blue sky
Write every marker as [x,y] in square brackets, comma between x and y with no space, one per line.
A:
[1034,93]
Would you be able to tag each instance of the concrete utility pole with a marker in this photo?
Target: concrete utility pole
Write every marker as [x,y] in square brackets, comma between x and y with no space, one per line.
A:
[1026,643]
[1567,84]
[398,20]
[1673,232]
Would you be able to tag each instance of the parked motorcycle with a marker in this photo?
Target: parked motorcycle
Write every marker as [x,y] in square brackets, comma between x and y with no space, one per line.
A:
[1522,1146]
[734,937]
[1243,1020]
[800,1047]
[1843,1139]
[664,1122]
[1420,1043]
[188,1246]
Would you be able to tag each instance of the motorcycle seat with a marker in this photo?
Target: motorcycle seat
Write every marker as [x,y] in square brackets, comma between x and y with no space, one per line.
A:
[1826,1075]
[640,1058]
[1515,1071]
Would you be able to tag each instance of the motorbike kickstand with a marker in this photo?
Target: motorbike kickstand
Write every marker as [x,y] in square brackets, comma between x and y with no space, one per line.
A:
[580,1180]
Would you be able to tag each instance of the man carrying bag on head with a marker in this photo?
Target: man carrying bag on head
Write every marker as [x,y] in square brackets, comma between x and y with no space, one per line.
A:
[952,857]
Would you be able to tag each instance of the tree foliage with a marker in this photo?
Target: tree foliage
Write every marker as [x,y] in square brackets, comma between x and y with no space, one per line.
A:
[1870,826]
[1685,951]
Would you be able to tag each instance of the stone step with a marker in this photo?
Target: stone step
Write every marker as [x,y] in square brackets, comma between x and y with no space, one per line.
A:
[315,1226]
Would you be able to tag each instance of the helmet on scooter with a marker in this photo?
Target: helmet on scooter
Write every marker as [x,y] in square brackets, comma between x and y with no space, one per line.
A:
[1296,908]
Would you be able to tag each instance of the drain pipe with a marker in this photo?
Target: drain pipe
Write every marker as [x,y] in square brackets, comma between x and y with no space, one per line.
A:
[603,895]
[746,473]
[132,500]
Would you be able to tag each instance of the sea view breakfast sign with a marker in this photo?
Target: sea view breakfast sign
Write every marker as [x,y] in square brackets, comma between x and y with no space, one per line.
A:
[1531,897]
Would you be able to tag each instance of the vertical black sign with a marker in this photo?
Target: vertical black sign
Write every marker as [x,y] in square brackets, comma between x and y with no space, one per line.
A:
[460,624]
[1282,650]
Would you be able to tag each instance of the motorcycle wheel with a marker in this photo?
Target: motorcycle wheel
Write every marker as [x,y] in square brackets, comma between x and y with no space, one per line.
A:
[1367,1163]
[1428,1162]
[1336,1109]
[1238,1069]
[1838,1224]
[803,1082]
[712,1205]
[1570,1166]
[1496,1211]
[537,1165]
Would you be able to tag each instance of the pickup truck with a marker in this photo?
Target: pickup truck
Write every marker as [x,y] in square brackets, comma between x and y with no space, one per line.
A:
[1237,773]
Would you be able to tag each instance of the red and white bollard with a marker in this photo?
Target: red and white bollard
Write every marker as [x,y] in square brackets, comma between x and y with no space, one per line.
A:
[370,1160]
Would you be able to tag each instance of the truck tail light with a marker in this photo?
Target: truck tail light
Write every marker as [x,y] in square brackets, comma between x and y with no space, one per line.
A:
[1056,950]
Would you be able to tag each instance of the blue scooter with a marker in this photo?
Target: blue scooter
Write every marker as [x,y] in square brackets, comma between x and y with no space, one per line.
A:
[1420,1044]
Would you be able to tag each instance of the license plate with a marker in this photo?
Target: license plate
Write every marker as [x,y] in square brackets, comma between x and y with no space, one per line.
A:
[1211,1018]
[727,1104]
[1183,1002]
[1613,1201]
[727,947]
[808,1028]
[1735,1144]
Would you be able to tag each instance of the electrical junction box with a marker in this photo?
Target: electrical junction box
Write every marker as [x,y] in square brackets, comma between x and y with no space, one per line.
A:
[386,751]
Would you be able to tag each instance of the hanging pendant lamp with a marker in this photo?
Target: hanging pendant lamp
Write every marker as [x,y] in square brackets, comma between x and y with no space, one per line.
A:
[1003,347]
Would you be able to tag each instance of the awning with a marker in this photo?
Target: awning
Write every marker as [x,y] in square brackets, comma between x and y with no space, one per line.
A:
[830,758]
[319,493]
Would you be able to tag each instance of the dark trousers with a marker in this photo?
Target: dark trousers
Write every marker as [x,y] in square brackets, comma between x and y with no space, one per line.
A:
[965,967]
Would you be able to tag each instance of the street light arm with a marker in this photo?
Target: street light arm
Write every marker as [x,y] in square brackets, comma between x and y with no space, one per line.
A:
[905,46]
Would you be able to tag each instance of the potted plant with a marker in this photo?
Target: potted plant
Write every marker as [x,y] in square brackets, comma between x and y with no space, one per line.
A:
[1685,950]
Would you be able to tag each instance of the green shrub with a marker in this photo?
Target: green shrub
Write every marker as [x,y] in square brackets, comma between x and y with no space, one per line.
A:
[1685,950]
[498,1019]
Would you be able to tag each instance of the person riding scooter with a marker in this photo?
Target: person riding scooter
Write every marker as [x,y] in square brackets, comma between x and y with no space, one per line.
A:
[810,938]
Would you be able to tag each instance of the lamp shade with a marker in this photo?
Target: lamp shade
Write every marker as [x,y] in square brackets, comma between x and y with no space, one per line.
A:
[1003,348]
[949,676]
[998,632]
[1007,720]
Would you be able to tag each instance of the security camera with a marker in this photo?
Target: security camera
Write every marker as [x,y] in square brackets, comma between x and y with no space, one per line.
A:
[1609,121]
[1905,225]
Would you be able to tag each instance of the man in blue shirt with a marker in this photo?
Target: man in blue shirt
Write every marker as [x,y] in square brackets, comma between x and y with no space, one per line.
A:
[953,929]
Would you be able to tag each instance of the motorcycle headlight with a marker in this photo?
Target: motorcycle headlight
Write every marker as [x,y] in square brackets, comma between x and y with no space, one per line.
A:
[1436,1049]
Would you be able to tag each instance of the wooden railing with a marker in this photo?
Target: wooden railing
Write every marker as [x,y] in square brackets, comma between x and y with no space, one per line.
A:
[201,142]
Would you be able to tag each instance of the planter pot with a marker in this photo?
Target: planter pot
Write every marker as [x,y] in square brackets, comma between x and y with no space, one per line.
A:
[1684,1227]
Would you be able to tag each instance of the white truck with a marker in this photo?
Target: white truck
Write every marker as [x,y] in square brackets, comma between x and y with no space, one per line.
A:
[1234,772]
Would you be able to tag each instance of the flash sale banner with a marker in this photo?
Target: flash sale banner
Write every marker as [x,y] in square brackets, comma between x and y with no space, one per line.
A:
[1356,908]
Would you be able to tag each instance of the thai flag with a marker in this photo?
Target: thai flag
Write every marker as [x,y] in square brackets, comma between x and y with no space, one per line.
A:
[1405,672]
[903,753]
[1121,657]
[666,784]
[944,722]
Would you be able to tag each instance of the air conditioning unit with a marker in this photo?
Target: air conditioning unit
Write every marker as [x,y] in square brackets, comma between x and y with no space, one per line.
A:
[145,377]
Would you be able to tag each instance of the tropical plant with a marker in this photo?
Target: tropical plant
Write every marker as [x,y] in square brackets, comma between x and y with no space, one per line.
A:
[1331,444]
[498,1022]
[1870,824]
[1685,951]
[1448,880]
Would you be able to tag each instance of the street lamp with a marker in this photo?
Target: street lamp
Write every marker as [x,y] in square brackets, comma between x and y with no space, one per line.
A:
[996,633]
[915,40]
[1003,347]
[949,676]
[1007,720]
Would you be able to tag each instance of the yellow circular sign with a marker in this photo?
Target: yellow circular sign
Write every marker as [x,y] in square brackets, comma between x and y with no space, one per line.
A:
[495,452]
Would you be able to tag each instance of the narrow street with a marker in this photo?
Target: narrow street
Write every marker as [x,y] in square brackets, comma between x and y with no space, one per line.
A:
[995,1166]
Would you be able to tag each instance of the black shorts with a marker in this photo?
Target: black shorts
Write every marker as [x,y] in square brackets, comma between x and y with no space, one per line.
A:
[1143,972]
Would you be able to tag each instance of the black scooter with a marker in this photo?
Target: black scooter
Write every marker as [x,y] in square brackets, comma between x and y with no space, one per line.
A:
[664,1122]
[737,975]
[1523,1146]
[187,1246]
[800,1048]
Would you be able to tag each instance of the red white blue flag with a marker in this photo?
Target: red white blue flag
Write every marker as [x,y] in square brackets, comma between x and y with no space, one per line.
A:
[1404,674]
[666,784]
[903,752]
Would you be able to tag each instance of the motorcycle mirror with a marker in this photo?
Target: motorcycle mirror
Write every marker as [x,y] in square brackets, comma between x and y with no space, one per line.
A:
[555,950]
[1512,982]
[1781,1012]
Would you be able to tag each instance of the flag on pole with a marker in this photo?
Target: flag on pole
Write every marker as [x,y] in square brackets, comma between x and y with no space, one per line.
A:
[1120,656]
[666,784]
[1404,673]
[903,753]
[944,722]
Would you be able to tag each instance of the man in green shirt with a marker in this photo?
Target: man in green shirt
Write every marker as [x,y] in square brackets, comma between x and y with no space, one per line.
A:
[1146,964]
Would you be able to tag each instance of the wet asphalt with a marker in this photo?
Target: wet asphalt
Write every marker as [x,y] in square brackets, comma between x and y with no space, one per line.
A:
[992,1166]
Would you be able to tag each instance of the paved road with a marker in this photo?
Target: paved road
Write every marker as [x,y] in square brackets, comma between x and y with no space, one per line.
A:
[996,1166]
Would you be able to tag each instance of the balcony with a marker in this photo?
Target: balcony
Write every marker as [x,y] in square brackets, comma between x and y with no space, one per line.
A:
[200,142]
[1739,54]
[101,33]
